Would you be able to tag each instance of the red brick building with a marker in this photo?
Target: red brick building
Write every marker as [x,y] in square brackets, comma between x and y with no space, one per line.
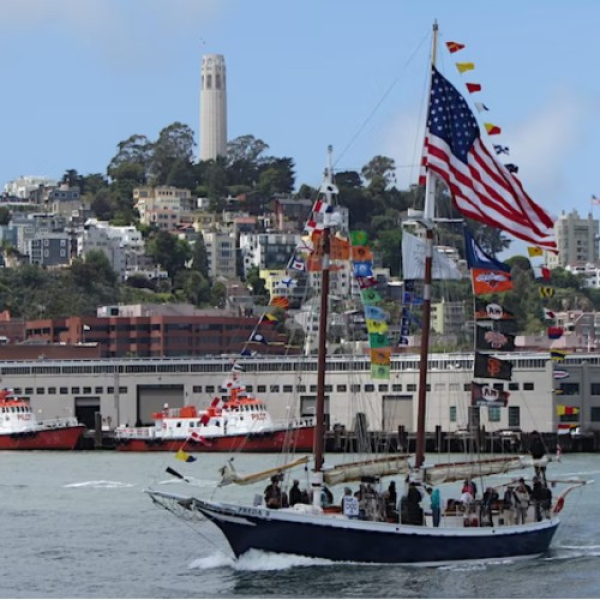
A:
[142,331]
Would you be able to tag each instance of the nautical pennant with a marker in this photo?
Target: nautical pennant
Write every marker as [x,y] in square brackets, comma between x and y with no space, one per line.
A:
[542,272]
[374,312]
[534,251]
[498,149]
[184,456]
[548,314]
[481,107]
[454,46]
[492,129]
[558,355]
[473,87]
[465,66]
[378,340]
[546,291]
[370,296]
[554,333]
[511,168]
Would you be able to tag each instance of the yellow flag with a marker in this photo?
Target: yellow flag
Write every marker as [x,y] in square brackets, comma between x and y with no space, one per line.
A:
[465,66]
[374,326]
[535,251]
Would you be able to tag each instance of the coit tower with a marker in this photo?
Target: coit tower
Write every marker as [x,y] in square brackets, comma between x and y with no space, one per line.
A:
[213,107]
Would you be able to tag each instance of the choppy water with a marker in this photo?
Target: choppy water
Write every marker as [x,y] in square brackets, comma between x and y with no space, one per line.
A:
[78,525]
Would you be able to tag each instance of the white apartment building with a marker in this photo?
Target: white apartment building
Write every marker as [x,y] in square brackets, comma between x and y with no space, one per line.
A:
[576,239]
[24,185]
[162,206]
[267,250]
[221,254]
[121,245]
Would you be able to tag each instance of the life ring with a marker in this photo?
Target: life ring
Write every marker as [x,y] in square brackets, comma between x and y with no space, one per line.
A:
[560,503]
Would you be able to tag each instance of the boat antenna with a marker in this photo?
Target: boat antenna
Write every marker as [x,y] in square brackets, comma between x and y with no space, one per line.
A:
[428,223]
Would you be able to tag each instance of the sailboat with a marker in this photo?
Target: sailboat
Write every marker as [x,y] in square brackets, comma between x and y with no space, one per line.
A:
[366,536]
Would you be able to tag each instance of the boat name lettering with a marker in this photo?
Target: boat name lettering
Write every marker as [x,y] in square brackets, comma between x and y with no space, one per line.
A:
[248,510]
[259,416]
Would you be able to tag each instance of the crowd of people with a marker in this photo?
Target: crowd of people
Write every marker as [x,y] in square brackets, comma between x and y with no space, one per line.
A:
[369,504]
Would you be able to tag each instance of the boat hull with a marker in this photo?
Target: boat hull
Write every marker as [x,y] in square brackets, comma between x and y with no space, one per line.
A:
[340,539]
[59,438]
[300,439]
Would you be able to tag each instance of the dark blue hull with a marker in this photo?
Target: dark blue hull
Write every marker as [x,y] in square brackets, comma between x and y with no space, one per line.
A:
[359,541]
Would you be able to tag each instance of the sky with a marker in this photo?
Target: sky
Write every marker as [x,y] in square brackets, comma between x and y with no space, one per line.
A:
[80,76]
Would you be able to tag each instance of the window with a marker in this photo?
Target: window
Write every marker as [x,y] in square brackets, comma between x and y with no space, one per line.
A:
[210,389]
[64,390]
[595,389]
[288,389]
[411,387]
[383,387]
[274,389]
[514,416]
[493,414]
[595,413]
[52,390]
[396,387]
[570,389]
[355,387]
[528,387]
[74,390]
[87,390]
[369,387]
[342,388]
[249,389]
[39,391]
[261,389]
[98,390]
[513,386]
[453,414]
[28,391]
[123,389]
[301,388]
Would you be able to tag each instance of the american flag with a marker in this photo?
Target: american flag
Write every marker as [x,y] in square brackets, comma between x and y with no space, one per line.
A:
[482,188]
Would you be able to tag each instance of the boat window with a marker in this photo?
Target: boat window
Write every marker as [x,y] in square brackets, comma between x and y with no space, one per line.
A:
[178,424]
[453,414]
[218,423]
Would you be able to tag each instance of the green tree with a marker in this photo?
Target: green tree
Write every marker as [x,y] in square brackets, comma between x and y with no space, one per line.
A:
[168,251]
[5,215]
[174,149]
[200,256]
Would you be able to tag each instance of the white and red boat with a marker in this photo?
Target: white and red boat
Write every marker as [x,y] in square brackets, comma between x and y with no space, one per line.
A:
[20,430]
[237,422]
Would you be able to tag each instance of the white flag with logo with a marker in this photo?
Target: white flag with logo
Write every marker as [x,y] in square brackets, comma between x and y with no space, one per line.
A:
[413,260]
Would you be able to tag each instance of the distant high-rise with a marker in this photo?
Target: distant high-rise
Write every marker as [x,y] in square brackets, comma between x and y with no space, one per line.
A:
[213,107]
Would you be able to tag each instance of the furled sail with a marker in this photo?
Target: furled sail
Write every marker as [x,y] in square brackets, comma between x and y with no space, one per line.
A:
[446,472]
[229,474]
[379,467]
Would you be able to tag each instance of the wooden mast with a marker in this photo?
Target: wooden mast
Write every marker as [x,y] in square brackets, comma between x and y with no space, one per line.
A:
[428,216]
[318,446]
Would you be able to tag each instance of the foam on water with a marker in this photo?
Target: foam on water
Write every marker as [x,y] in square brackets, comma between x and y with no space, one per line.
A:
[256,560]
[99,484]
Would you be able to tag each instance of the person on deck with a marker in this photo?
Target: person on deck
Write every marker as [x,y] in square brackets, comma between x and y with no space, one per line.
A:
[522,503]
[295,493]
[436,510]
[390,499]
[273,493]
[538,451]
[538,495]
[490,497]
[509,506]
[413,505]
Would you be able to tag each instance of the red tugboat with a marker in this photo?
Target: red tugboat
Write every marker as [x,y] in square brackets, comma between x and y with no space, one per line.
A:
[236,422]
[20,430]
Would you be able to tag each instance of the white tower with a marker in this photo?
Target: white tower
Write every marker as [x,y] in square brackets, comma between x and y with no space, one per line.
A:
[213,107]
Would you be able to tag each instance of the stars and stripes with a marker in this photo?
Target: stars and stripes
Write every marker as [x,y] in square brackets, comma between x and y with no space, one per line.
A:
[481,187]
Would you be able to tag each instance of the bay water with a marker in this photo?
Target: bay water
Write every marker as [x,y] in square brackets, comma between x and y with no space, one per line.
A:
[79,525]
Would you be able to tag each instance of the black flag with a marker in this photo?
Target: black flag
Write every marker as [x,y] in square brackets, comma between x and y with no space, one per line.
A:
[490,367]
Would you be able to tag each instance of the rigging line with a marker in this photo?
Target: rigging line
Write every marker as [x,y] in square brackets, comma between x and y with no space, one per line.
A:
[382,99]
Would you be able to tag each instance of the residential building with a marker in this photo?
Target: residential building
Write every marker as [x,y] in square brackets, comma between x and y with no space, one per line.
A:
[162,206]
[23,186]
[576,239]
[267,250]
[221,254]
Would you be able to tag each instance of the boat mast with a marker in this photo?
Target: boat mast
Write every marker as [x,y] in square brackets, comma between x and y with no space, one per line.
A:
[428,217]
[319,440]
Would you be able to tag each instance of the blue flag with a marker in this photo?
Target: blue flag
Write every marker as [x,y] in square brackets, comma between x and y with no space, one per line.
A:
[478,259]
